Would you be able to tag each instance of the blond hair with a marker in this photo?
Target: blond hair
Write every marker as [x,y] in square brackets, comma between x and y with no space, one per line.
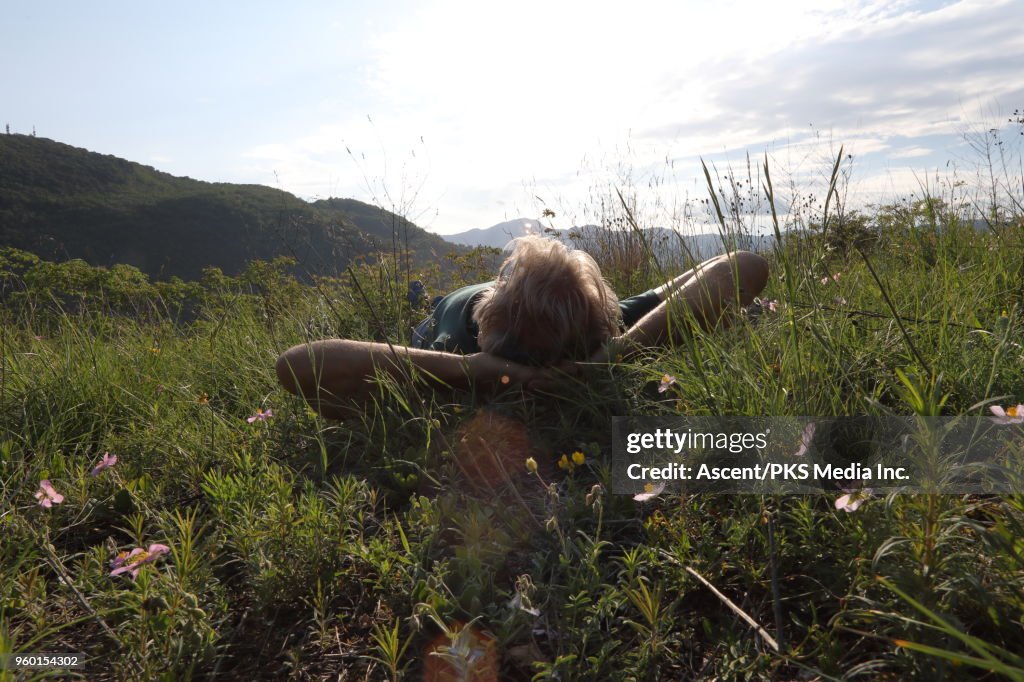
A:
[550,303]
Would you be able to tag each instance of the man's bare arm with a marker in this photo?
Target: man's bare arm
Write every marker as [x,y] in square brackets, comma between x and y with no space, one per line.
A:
[706,291]
[331,375]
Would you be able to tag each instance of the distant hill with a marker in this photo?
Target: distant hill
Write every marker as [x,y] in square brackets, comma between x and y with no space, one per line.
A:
[593,239]
[498,235]
[63,202]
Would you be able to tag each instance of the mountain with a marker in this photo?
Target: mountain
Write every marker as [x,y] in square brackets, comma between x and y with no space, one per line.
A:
[63,202]
[498,235]
[663,242]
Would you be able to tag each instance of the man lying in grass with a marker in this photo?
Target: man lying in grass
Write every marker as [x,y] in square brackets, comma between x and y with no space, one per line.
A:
[548,309]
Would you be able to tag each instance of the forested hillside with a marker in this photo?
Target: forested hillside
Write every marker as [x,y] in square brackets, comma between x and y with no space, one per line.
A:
[63,202]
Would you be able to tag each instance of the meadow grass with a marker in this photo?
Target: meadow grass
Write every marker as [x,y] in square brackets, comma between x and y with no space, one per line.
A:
[416,539]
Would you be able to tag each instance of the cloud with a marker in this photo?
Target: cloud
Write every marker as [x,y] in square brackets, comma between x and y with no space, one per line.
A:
[479,109]
[909,74]
[909,153]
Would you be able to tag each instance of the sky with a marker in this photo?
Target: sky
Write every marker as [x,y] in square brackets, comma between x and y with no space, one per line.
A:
[462,114]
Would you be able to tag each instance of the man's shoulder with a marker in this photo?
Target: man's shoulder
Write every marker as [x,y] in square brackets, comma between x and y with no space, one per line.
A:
[453,327]
[470,290]
[460,298]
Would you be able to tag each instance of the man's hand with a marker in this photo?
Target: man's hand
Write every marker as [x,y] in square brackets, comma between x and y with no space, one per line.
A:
[614,350]
[490,369]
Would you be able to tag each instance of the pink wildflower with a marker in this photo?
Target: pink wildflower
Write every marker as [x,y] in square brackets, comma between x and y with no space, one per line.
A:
[853,499]
[834,278]
[134,560]
[650,490]
[805,439]
[666,381]
[261,416]
[108,460]
[47,495]
[1011,415]
[119,560]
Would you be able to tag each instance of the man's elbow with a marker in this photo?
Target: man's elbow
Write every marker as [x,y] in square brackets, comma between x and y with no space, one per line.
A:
[753,274]
[301,371]
[291,366]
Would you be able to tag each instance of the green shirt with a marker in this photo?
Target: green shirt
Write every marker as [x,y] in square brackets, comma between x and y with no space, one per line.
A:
[451,327]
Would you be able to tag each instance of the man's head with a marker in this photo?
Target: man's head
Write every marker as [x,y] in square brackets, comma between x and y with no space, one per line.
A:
[549,304]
